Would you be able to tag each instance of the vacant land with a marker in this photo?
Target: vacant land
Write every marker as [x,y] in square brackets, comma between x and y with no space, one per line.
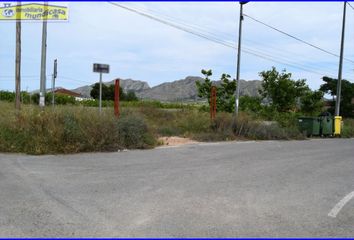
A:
[249,189]
[73,129]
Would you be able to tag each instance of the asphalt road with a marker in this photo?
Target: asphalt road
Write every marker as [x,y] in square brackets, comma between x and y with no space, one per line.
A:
[234,189]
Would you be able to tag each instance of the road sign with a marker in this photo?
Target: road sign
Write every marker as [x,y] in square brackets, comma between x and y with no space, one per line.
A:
[100,68]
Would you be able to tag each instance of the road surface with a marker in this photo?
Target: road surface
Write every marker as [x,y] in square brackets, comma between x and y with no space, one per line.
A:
[232,189]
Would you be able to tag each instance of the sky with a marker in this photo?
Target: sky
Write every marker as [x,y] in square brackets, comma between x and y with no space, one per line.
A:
[140,48]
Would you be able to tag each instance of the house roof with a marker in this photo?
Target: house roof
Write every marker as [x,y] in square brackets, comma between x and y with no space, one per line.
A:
[67,92]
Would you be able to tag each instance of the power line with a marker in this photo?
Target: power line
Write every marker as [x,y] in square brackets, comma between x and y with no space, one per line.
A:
[175,25]
[296,38]
[350,5]
[148,11]
[209,31]
[185,23]
[285,62]
[213,39]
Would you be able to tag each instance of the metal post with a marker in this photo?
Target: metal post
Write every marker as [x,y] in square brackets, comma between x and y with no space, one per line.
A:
[100,100]
[18,59]
[116,98]
[237,94]
[43,59]
[54,76]
[53,87]
[339,83]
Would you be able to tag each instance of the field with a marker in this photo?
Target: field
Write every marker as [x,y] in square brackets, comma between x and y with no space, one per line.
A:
[78,128]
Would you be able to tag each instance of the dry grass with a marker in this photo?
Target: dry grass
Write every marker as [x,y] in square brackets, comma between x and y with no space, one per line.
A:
[72,129]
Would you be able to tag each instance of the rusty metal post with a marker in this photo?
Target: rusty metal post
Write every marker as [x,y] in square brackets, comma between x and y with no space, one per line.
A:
[213,103]
[116,98]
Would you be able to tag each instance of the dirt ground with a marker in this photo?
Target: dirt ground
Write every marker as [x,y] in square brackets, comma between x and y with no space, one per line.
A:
[175,141]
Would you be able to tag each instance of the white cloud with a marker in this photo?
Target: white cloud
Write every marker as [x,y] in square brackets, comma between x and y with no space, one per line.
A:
[140,48]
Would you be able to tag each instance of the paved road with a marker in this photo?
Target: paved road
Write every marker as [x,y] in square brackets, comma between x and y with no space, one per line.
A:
[250,189]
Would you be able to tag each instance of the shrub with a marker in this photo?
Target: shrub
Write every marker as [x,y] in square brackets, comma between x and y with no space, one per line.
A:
[71,130]
[348,128]
[133,132]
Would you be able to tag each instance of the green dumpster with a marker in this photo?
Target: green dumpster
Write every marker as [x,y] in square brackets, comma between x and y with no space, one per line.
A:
[326,128]
[309,126]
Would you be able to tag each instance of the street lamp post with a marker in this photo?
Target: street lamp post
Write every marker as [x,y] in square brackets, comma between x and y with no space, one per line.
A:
[237,94]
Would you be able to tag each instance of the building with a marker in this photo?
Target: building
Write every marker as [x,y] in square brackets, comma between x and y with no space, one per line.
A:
[64,91]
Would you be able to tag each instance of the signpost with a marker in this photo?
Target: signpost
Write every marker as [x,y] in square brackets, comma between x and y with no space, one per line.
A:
[100,68]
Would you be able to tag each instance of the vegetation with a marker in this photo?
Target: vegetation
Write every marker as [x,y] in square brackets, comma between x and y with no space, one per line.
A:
[78,127]
[348,128]
[347,94]
[108,93]
[70,130]
[284,93]
[225,92]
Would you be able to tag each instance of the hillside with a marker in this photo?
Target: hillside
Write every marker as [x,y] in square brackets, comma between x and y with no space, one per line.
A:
[127,85]
[180,90]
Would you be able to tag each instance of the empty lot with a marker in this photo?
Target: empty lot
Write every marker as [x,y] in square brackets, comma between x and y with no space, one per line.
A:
[233,189]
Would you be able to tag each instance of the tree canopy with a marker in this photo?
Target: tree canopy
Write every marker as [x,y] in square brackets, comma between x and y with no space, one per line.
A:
[282,91]
[108,93]
[347,94]
[225,101]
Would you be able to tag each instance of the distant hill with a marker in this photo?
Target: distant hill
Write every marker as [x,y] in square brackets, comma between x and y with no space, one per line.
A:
[127,85]
[180,90]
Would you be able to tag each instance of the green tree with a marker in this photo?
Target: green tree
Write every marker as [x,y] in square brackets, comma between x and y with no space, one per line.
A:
[249,103]
[225,91]
[312,102]
[107,92]
[130,96]
[281,90]
[347,94]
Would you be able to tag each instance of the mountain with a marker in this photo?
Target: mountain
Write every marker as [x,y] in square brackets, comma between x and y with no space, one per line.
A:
[127,85]
[186,90]
[180,90]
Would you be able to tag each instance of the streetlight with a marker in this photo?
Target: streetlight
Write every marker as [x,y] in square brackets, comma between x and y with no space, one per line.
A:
[238,59]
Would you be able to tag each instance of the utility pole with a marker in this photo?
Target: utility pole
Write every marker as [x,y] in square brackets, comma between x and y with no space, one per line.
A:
[339,83]
[18,59]
[54,76]
[42,90]
[237,94]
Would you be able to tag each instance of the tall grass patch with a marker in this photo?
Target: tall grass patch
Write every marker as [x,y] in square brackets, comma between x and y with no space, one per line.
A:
[71,130]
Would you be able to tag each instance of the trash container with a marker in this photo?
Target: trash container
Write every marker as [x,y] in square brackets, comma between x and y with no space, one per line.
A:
[309,126]
[326,128]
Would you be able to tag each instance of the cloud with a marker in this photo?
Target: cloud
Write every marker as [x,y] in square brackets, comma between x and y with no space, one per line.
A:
[140,48]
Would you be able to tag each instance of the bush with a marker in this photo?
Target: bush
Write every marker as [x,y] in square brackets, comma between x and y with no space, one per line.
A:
[7,96]
[71,130]
[60,99]
[133,132]
[348,128]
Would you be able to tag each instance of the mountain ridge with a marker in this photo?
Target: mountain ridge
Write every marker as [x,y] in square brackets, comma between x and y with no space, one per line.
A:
[178,90]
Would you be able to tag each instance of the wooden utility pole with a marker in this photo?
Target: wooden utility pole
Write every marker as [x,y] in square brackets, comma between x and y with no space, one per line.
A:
[18,59]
